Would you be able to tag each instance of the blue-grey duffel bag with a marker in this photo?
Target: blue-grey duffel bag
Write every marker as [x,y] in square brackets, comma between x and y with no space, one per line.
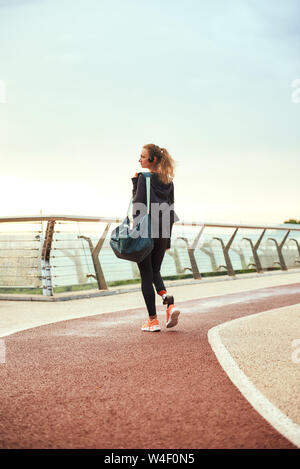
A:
[134,244]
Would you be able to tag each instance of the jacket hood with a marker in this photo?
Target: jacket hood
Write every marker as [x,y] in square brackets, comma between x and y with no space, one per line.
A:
[162,190]
[159,193]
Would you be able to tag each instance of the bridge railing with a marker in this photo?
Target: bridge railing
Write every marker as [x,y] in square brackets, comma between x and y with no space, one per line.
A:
[56,251]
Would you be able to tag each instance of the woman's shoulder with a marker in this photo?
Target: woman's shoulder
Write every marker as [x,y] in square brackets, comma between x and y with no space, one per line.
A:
[136,177]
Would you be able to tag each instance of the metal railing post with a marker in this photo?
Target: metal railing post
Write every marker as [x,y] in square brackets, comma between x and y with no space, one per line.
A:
[209,252]
[191,252]
[254,249]
[45,259]
[176,259]
[226,252]
[95,257]
[298,247]
[78,267]
[279,250]
[240,253]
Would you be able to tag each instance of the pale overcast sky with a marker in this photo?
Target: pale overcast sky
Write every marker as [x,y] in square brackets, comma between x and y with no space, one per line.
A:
[88,82]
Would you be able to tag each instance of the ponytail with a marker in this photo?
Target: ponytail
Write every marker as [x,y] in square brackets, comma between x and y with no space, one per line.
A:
[165,165]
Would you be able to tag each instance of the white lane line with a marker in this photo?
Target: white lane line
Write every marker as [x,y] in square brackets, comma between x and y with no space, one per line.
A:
[283,424]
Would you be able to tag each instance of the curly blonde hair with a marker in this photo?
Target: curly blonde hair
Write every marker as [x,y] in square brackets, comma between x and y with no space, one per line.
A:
[164,165]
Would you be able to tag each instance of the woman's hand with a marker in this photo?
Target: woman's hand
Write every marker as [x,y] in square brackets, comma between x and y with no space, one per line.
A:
[136,175]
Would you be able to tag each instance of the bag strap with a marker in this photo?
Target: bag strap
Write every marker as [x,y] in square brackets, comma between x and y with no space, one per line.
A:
[147,176]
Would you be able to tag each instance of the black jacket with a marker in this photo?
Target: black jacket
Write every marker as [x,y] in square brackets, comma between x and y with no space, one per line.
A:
[160,193]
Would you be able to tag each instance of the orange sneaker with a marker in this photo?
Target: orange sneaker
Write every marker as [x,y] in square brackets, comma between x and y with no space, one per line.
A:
[151,326]
[172,316]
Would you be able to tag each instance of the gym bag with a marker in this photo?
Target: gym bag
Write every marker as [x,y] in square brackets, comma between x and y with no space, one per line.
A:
[134,244]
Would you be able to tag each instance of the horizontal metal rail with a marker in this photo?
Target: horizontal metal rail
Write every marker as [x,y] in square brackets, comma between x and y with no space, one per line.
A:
[119,220]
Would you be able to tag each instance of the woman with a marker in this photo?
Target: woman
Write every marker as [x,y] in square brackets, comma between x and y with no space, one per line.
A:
[161,166]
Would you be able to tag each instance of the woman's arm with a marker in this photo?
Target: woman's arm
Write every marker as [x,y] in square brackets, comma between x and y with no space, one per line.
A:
[140,195]
[134,183]
[171,202]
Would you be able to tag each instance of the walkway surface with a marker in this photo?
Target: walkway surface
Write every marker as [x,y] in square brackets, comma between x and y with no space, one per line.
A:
[81,374]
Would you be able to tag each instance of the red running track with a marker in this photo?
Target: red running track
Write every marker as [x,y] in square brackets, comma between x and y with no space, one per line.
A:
[99,382]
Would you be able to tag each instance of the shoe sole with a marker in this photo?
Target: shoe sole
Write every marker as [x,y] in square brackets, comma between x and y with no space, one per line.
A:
[173,320]
[151,329]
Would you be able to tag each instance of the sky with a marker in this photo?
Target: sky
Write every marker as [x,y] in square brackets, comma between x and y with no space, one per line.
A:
[84,84]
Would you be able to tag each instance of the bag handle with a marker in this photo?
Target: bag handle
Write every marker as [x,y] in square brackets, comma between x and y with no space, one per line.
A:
[147,176]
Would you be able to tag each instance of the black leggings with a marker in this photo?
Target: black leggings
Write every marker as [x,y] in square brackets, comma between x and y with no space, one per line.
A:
[150,273]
